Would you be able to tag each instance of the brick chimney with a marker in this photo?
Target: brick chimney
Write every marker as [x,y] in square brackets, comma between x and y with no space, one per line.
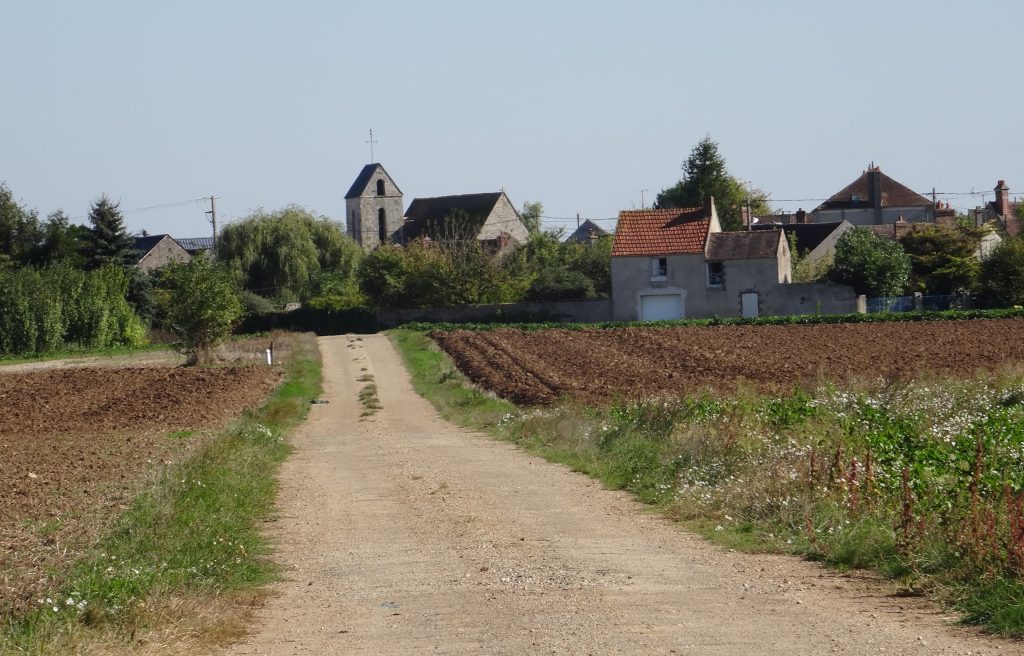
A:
[801,216]
[1002,203]
[900,228]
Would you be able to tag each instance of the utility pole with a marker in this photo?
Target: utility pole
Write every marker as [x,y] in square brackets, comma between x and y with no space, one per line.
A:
[577,220]
[213,221]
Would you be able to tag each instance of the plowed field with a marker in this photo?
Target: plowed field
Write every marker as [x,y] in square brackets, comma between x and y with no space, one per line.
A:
[600,365]
[76,443]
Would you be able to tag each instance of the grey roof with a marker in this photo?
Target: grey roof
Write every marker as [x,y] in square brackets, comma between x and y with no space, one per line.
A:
[193,244]
[808,235]
[363,179]
[582,233]
[146,243]
[742,245]
[426,216]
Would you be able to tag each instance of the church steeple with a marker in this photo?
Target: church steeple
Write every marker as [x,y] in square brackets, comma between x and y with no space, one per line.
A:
[373,208]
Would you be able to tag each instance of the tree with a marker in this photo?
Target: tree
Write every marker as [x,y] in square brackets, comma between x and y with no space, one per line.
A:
[283,254]
[942,258]
[1002,274]
[62,241]
[872,265]
[200,304]
[705,174]
[530,215]
[107,241]
[20,230]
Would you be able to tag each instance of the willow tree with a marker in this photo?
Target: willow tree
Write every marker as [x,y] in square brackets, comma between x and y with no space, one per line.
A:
[286,254]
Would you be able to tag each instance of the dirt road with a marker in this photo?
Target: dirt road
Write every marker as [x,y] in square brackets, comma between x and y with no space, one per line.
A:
[403,534]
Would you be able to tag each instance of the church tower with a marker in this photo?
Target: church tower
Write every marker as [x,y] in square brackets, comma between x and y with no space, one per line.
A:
[373,208]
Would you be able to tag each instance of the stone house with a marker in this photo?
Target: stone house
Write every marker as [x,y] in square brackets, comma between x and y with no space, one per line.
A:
[155,251]
[373,208]
[490,218]
[676,263]
[587,233]
[876,199]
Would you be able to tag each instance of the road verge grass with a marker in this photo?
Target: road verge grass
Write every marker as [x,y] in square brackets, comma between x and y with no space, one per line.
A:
[188,550]
[922,481]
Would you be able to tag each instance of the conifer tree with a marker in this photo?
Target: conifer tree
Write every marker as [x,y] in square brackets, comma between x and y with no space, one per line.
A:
[107,241]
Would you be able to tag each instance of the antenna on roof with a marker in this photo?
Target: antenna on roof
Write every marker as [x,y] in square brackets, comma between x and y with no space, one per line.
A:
[642,206]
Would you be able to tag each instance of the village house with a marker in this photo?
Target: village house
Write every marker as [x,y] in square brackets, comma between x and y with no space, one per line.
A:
[489,218]
[876,199]
[676,263]
[815,242]
[587,233]
[1001,211]
[155,251]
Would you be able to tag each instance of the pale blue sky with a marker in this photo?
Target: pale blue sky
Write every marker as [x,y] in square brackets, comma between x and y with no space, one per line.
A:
[579,105]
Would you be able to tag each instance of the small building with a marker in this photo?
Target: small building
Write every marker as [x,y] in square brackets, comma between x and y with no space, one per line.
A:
[876,199]
[373,208]
[490,218]
[587,233]
[155,251]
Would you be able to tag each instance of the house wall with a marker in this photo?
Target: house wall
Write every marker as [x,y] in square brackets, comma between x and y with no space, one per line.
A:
[504,218]
[866,216]
[631,278]
[687,275]
[165,252]
[361,212]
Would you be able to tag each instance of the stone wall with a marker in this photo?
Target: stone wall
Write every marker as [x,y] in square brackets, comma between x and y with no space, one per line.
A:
[582,311]
[504,218]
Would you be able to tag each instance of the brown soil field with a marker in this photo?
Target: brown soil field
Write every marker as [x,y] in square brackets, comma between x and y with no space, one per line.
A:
[78,443]
[597,366]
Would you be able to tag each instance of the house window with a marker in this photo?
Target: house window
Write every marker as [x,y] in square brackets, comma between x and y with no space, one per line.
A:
[855,197]
[716,274]
[382,225]
[380,187]
[659,268]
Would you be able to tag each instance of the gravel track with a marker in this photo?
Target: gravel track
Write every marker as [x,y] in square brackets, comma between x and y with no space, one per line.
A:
[404,534]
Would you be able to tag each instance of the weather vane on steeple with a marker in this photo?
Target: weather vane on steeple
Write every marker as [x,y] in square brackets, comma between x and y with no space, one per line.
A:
[371,142]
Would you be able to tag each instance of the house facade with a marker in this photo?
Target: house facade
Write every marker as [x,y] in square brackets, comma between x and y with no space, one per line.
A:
[677,263]
[373,208]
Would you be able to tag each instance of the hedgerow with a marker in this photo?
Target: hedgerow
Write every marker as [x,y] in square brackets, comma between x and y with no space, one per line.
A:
[43,310]
[806,319]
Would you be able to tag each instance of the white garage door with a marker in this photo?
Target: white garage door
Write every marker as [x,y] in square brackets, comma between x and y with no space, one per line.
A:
[661,307]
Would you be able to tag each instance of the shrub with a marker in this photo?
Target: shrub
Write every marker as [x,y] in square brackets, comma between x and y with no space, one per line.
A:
[202,304]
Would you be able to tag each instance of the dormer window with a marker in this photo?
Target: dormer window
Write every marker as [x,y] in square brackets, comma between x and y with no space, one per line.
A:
[380,187]
[659,268]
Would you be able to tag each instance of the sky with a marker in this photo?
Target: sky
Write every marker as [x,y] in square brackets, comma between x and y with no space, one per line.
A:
[588,107]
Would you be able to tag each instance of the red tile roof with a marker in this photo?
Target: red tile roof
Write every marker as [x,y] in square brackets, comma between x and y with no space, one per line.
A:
[661,232]
[893,194]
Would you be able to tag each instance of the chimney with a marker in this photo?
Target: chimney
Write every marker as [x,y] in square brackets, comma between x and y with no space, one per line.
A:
[900,228]
[744,215]
[1002,203]
[801,216]
[875,189]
